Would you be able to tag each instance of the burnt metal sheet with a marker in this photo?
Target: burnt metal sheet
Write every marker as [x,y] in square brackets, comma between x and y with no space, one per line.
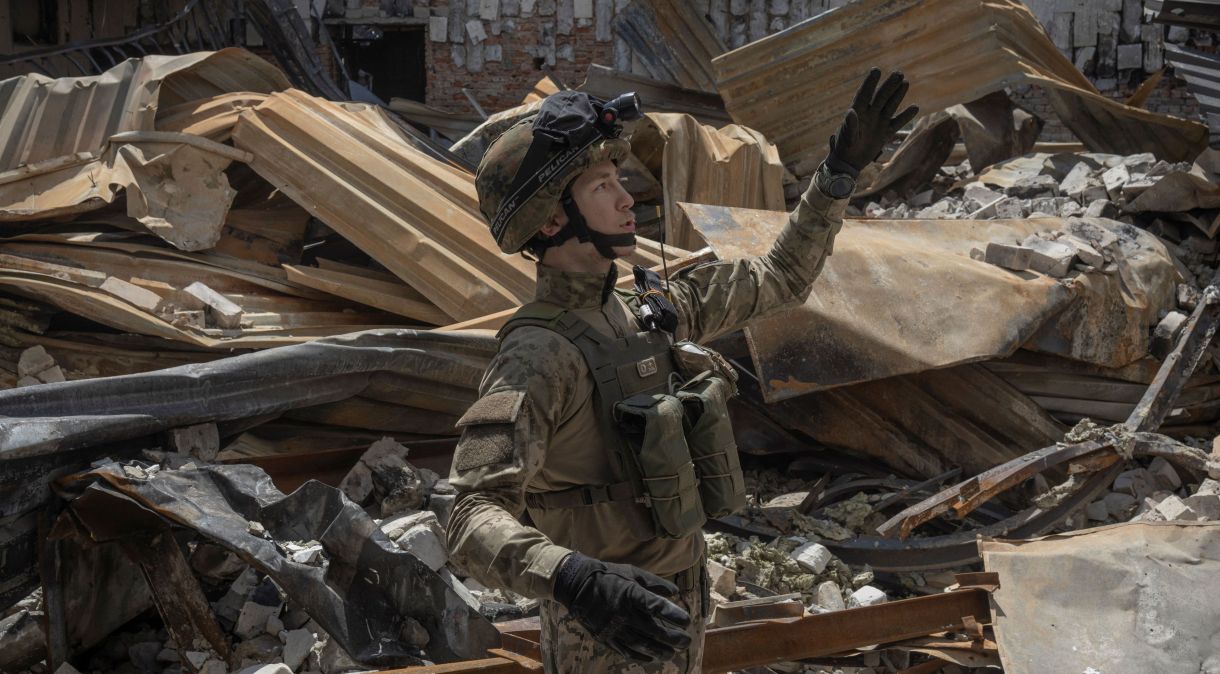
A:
[1123,599]
[287,35]
[197,26]
[1203,14]
[362,596]
[672,40]
[46,431]
[416,216]
[904,296]
[1202,75]
[952,51]
[434,370]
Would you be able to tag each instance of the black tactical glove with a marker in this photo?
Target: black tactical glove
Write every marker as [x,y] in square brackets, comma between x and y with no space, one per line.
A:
[870,124]
[623,607]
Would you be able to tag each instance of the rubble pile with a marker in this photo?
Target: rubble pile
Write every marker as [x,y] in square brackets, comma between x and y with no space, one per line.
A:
[239,324]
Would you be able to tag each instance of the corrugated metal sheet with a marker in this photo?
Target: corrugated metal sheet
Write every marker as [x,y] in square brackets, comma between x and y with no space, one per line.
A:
[1202,75]
[43,118]
[416,216]
[729,166]
[672,40]
[795,85]
[1203,14]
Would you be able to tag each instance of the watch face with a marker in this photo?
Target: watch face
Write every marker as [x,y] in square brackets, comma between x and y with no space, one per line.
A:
[841,187]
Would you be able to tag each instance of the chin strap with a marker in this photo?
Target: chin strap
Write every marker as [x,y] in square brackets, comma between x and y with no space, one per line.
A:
[577,227]
[604,243]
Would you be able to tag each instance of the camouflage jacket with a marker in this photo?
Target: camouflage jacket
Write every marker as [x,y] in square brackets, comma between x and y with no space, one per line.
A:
[534,427]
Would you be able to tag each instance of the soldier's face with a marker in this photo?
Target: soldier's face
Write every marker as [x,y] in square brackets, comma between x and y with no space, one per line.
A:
[604,202]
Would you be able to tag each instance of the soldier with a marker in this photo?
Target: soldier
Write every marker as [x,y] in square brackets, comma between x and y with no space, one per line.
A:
[600,442]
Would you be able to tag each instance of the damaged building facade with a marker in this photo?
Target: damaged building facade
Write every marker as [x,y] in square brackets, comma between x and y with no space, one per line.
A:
[246,293]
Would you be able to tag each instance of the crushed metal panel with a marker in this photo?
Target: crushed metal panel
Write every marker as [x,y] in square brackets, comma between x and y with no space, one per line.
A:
[730,166]
[362,596]
[1202,75]
[1123,599]
[400,366]
[952,51]
[904,296]
[43,118]
[672,40]
[411,213]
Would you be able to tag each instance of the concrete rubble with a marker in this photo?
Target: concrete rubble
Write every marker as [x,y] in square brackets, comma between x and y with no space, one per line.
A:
[229,382]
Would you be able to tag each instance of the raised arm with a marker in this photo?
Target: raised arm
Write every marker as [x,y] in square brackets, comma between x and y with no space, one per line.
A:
[719,297]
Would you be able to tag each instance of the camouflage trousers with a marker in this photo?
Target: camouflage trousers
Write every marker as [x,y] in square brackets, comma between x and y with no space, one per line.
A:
[567,648]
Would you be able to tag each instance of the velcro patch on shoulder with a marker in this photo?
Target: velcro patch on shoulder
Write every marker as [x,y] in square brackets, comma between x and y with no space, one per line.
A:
[501,407]
[484,445]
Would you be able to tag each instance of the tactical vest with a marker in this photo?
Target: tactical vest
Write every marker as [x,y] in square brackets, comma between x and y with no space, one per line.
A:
[675,444]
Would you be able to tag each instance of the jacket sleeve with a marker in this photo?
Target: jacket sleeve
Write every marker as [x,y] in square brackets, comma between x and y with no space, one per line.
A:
[527,392]
[718,297]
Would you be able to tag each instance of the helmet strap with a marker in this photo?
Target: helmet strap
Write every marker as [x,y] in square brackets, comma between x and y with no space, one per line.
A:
[604,243]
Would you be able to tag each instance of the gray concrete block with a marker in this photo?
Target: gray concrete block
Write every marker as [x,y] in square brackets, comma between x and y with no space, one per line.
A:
[1049,257]
[830,596]
[1007,255]
[812,557]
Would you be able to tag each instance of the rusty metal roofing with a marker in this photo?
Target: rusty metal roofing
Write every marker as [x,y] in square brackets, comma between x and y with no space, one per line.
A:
[416,216]
[43,118]
[1202,75]
[795,85]
[890,301]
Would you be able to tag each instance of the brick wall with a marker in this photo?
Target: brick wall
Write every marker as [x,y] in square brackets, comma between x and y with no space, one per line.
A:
[498,49]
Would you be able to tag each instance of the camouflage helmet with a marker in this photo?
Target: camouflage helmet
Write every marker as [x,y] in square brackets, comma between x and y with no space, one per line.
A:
[497,173]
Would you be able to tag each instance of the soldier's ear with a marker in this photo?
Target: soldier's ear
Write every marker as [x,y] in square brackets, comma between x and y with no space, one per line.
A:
[557,222]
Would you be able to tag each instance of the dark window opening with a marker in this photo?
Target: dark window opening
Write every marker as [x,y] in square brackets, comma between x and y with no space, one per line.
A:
[35,22]
[388,60]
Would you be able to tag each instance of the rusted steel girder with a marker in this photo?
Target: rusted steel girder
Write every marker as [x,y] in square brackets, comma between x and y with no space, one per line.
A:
[768,642]
[1148,415]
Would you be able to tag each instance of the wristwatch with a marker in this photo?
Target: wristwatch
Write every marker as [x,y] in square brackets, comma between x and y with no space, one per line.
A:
[834,185]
